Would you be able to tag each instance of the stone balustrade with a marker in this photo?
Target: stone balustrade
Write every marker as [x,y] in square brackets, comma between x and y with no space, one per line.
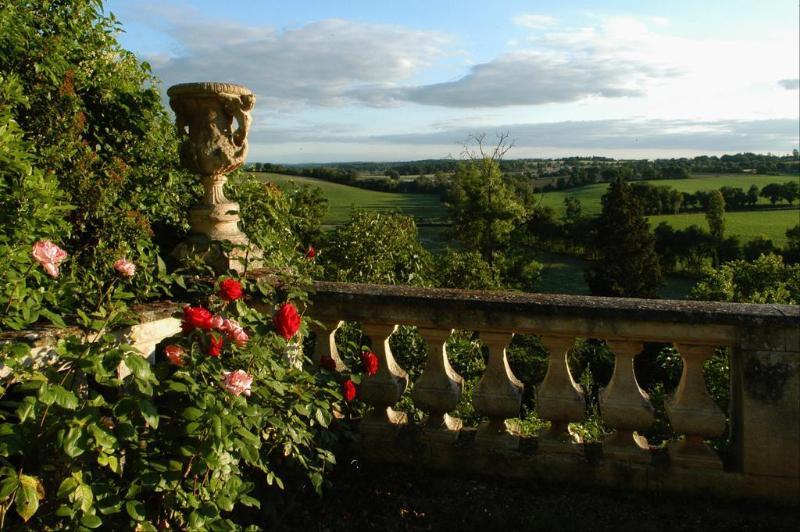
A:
[763,422]
[765,388]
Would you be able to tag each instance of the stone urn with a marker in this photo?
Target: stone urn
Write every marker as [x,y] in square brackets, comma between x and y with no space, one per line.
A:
[213,120]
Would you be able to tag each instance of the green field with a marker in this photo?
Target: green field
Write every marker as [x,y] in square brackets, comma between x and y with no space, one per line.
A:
[562,274]
[342,199]
[747,225]
[744,224]
[590,195]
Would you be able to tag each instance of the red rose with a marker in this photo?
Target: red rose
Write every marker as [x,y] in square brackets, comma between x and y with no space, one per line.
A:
[348,390]
[310,254]
[287,320]
[328,363]
[215,345]
[174,354]
[230,290]
[370,361]
[196,318]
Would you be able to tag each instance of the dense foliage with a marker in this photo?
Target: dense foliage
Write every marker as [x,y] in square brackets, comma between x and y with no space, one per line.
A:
[764,280]
[628,264]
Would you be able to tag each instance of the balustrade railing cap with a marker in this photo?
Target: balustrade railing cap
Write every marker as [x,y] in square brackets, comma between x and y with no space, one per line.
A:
[438,300]
[207,87]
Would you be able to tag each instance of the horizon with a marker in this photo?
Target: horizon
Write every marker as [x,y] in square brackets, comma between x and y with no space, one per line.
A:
[382,83]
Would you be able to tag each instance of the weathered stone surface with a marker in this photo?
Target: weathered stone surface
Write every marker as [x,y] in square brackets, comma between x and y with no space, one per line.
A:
[559,399]
[211,147]
[693,413]
[383,389]
[498,395]
[439,388]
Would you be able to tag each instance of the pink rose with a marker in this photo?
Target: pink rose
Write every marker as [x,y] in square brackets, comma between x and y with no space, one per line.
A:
[174,354]
[239,336]
[237,382]
[234,332]
[218,322]
[49,256]
[125,267]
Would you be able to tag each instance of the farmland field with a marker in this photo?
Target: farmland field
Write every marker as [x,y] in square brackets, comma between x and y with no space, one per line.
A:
[744,224]
[590,195]
[343,198]
[563,274]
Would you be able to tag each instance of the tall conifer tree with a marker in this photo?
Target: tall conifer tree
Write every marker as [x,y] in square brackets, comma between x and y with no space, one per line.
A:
[628,265]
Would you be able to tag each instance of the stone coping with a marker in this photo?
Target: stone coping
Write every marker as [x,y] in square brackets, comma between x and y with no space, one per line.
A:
[208,87]
[438,300]
[365,301]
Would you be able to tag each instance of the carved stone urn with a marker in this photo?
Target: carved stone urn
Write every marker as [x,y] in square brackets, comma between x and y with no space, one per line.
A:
[211,147]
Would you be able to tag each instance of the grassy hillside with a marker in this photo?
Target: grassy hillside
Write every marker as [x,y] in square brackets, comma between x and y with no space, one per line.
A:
[772,223]
[342,199]
[590,195]
[744,224]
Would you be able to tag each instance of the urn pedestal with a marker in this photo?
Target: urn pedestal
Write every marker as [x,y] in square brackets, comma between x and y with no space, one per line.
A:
[211,147]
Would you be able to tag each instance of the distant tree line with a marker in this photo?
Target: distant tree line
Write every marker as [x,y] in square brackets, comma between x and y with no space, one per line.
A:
[528,174]
[663,199]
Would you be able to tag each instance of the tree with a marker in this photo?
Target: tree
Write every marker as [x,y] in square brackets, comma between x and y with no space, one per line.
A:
[715,215]
[628,265]
[376,248]
[773,192]
[94,117]
[791,253]
[765,280]
[790,191]
[752,195]
[483,210]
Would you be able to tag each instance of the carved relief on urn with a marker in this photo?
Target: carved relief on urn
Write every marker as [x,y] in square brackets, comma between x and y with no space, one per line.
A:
[213,120]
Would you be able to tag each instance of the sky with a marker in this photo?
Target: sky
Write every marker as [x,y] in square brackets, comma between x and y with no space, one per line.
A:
[404,80]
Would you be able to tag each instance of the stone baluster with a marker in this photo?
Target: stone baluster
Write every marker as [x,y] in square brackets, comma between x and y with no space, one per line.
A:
[325,344]
[439,388]
[693,413]
[559,399]
[498,395]
[383,389]
[625,407]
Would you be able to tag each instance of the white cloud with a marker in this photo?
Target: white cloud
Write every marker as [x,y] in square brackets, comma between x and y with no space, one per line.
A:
[534,22]
[318,63]
[790,84]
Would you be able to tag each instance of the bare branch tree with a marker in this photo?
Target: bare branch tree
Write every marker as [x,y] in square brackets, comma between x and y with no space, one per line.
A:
[480,151]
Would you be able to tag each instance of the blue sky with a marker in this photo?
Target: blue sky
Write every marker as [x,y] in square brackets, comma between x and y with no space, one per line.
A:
[339,81]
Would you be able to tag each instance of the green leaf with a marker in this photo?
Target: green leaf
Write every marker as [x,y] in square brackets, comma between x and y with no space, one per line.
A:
[67,487]
[7,486]
[91,521]
[103,437]
[149,413]
[139,366]
[323,417]
[28,495]
[191,413]
[64,398]
[84,496]
[136,510]
[54,318]
[74,442]
[26,408]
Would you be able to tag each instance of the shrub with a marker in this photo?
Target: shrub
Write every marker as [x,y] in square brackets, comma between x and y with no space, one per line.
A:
[186,443]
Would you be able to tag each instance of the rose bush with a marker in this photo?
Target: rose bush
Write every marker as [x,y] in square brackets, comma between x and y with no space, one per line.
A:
[192,442]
